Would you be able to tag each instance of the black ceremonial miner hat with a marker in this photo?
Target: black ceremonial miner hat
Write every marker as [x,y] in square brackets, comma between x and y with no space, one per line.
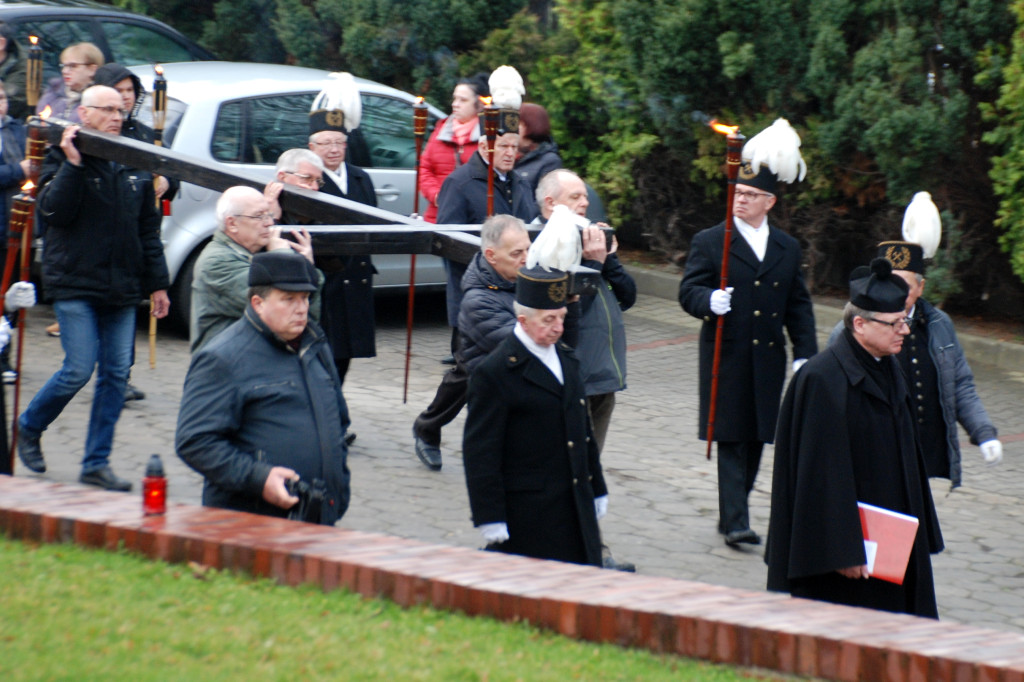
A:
[903,255]
[877,289]
[541,289]
[284,270]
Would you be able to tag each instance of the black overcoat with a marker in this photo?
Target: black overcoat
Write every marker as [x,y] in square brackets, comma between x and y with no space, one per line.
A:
[844,438]
[530,459]
[347,310]
[769,296]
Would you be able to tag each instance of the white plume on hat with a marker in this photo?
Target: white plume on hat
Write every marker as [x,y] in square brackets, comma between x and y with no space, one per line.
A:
[558,246]
[507,89]
[922,224]
[778,145]
[341,92]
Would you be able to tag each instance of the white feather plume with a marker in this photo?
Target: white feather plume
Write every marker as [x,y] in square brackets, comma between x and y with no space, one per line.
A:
[558,246]
[778,145]
[341,92]
[507,88]
[922,224]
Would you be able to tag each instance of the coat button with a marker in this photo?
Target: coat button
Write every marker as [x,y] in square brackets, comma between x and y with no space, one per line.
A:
[345,282]
[363,264]
[707,318]
[913,360]
[757,313]
[756,342]
[757,283]
[775,315]
[920,408]
[775,284]
[364,281]
[920,397]
[771,344]
[570,444]
[582,401]
[575,481]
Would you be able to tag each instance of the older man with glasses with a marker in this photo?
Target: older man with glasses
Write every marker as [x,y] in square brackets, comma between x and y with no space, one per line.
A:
[103,256]
[766,298]
[245,219]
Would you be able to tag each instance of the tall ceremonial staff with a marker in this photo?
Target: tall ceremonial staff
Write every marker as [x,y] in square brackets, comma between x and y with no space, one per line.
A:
[491,134]
[419,131]
[159,120]
[734,146]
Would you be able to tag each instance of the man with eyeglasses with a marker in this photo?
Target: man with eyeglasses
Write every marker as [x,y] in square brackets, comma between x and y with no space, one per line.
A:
[103,256]
[765,300]
[847,436]
[78,64]
[245,222]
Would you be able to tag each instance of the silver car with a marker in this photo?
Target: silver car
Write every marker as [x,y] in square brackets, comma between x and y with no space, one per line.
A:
[244,116]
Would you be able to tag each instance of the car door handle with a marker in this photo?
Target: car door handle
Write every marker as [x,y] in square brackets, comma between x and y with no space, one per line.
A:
[388,192]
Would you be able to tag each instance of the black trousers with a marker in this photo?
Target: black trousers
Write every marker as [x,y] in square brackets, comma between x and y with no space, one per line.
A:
[737,468]
[446,405]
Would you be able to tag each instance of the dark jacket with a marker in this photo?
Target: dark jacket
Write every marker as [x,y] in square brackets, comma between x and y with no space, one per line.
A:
[529,455]
[487,315]
[602,332]
[768,301]
[347,312]
[846,435]
[538,162]
[12,133]
[12,73]
[250,403]
[102,239]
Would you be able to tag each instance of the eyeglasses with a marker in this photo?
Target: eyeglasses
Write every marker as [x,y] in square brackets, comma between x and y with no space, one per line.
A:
[750,196]
[262,217]
[896,326]
[335,145]
[72,65]
[306,178]
[109,110]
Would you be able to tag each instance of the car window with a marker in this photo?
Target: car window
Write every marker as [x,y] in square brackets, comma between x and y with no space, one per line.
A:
[259,129]
[387,127]
[133,44]
[54,36]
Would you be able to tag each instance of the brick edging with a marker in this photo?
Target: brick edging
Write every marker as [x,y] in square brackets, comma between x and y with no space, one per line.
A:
[665,615]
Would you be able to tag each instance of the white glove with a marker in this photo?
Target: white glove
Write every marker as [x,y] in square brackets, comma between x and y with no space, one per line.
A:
[992,450]
[5,332]
[601,506]
[493,533]
[721,301]
[20,295]
[798,363]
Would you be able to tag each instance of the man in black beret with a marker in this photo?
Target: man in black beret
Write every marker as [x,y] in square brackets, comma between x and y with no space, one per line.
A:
[532,465]
[262,402]
[846,436]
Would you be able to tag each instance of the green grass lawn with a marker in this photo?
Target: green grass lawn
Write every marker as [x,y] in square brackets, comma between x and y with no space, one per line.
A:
[68,613]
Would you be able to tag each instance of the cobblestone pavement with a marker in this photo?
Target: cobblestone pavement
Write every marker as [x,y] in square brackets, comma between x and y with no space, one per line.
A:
[663,507]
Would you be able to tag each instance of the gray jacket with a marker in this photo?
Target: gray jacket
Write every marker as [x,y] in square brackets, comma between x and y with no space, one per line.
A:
[957,395]
[602,334]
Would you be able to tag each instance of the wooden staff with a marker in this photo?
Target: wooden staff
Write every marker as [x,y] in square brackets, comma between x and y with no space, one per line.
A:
[159,119]
[734,146]
[419,130]
[491,133]
[22,214]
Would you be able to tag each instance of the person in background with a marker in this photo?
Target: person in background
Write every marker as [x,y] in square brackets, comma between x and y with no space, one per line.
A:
[78,64]
[12,72]
[538,153]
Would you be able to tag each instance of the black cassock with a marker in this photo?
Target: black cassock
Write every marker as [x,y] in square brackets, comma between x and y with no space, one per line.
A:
[846,435]
[529,455]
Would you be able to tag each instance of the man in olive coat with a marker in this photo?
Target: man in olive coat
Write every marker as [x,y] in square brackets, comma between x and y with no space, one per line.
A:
[766,298]
[532,466]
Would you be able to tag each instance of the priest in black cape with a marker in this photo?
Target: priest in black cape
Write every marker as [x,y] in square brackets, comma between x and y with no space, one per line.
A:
[846,435]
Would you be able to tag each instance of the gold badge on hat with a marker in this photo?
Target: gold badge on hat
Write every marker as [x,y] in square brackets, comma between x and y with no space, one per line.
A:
[335,118]
[747,171]
[558,290]
[899,256]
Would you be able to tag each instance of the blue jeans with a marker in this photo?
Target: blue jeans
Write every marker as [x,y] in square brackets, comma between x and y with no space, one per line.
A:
[92,336]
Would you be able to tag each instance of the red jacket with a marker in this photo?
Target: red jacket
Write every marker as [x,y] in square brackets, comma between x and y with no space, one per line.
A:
[439,159]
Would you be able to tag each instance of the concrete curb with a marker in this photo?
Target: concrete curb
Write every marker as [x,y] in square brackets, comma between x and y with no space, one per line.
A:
[1002,354]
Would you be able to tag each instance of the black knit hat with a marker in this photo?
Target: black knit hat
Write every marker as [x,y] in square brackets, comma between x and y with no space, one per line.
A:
[903,255]
[877,289]
[541,289]
[284,270]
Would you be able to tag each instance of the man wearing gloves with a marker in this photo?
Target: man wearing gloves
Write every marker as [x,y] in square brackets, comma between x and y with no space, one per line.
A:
[532,467]
[766,298]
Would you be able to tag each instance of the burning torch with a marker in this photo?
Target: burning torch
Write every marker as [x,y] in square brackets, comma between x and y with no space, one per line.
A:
[33,72]
[419,130]
[22,215]
[491,133]
[159,119]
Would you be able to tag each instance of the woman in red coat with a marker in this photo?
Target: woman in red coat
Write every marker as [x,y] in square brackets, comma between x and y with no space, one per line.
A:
[454,140]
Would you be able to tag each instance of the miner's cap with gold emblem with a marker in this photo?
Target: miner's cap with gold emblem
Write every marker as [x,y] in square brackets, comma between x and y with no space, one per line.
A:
[542,289]
[903,255]
[762,179]
[772,156]
[338,107]
[507,92]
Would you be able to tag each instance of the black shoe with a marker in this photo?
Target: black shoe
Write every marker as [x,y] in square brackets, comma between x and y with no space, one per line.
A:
[610,563]
[132,393]
[428,454]
[105,478]
[30,452]
[450,360]
[350,438]
[735,537]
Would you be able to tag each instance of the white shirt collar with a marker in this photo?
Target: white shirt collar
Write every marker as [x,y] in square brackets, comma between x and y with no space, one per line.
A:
[757,237]
[340,178]
[546,354]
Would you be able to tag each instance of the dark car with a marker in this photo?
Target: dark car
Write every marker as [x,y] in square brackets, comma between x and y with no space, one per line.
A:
[122,36]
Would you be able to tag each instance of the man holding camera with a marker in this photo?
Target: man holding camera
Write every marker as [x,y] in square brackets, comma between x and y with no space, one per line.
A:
[262,412]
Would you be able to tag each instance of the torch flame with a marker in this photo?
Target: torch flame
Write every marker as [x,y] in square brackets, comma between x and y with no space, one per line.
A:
[486,101]
[45,113]
[159,70]
[722,128]
[419,101]
[28,186]
[34,40]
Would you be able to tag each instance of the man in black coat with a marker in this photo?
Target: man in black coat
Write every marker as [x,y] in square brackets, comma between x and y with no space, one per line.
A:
[765,298]
[533,471]
[847,435]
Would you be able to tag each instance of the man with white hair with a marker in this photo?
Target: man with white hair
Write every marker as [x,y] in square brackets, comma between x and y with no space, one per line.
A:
[103,256]
[246,226]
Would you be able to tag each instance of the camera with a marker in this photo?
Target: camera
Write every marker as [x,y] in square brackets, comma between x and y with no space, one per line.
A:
[312,498]
[583,281]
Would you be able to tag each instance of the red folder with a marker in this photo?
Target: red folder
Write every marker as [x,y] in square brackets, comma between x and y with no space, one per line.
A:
[894,534]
